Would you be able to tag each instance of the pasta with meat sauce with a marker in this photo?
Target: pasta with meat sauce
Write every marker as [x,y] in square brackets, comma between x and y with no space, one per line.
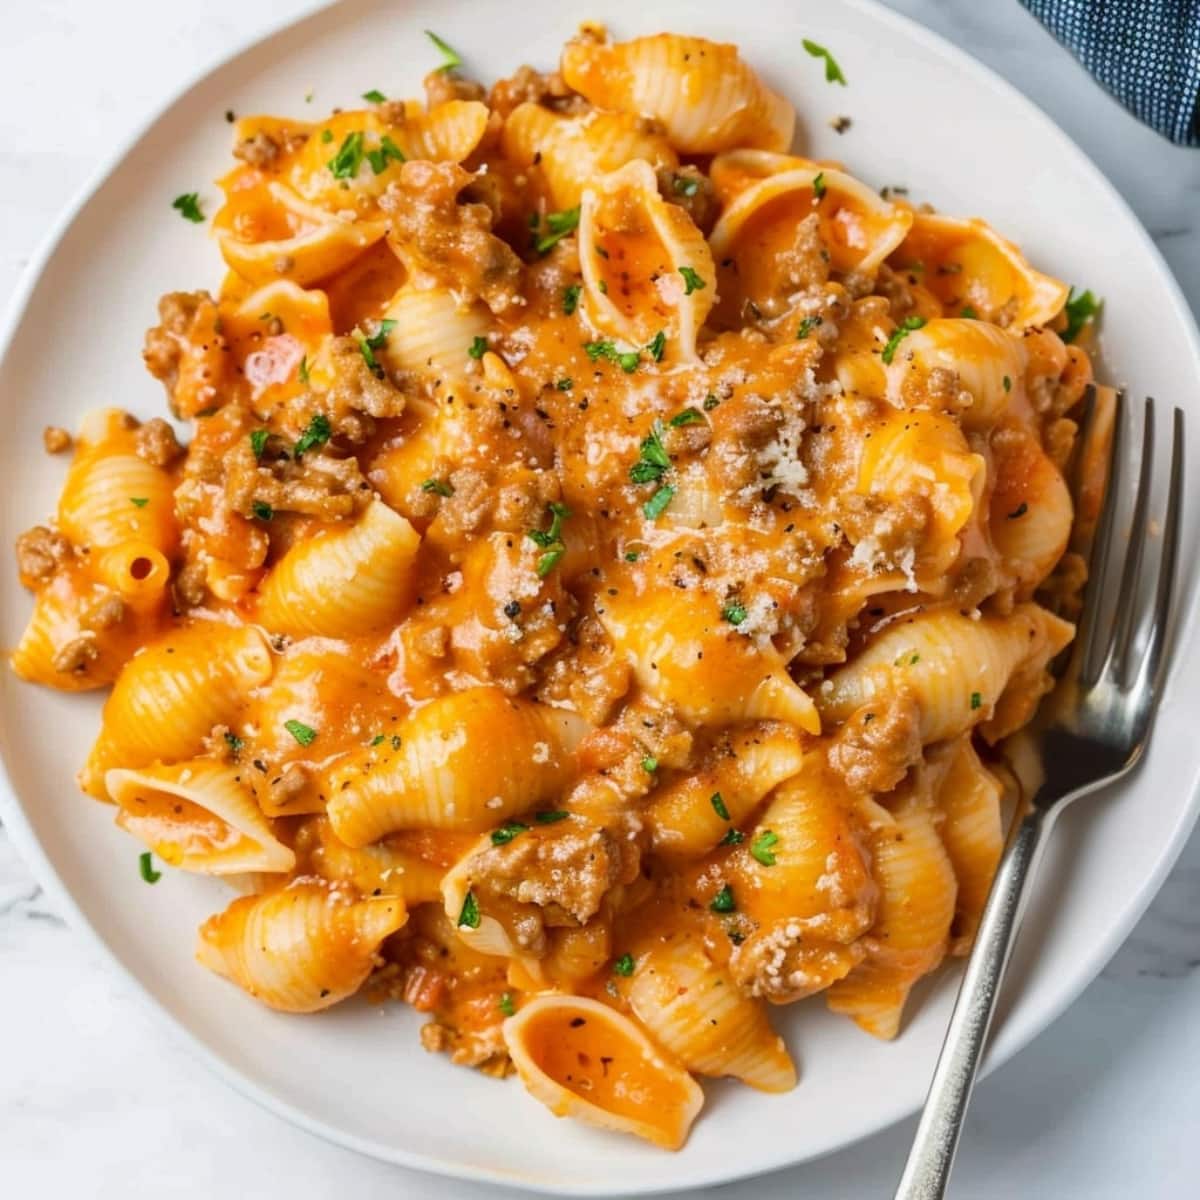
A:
[607,551]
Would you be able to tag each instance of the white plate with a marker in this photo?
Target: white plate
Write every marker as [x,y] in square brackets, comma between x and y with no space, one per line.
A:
[924,116]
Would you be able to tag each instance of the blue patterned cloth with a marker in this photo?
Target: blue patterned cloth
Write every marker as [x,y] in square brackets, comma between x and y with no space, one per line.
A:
[1145,52]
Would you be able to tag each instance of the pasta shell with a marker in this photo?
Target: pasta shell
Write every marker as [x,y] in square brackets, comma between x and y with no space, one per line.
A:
[684,816]
[350,579]
[692,1008]
[197,816]
[467,761]
[137,572]
[433,333]
[582,1059]
[300,949]
[967,264]
[169,697]
[706,97]
[572,151]
[646,267]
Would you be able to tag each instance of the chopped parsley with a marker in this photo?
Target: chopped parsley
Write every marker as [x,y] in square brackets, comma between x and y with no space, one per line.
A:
[627,360]
[375,96]
[505,1004]
[565,384]
[302,370]
[691,281]
[819,185]
[653,461]
[559,224]
[719,806]
[624,965]
[388,152]
[833,73]
[806,327]
[632,555]
[327,136]
[551,816]
[262,510]
[550,540]
[1007,384]
[1080,310]
[657,345]
[439,487]
[345,163]
[139,501]
[571,298]
[723,901]
[317,434]
[762,846]
[469,916]
[477,348]
[689,416]
[734,612]
[968,312]
[685,185]
[733,838]
[976,700]
[234,743]
[304,734]
[710,402]
[450,56]
[258,441]
[506,832]
[657,504]
[378,739]
[188,207]
[903,330]
[368,345]
[146,867]
[649,764]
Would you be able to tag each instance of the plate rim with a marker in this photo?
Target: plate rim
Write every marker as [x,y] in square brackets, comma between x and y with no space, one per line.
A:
[1018,1030]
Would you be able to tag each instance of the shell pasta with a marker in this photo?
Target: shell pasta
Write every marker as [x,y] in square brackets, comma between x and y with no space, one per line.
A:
[582,583]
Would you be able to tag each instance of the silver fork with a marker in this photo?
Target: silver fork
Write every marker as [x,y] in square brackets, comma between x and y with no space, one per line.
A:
[1090,731]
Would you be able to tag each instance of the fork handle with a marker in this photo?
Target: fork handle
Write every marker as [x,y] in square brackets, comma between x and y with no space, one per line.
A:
[931,1158]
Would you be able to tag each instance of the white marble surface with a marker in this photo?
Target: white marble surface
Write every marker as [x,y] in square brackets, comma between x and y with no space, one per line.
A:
[96,1100]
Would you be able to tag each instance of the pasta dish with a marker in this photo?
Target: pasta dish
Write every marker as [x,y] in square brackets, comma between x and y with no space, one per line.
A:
[606,552]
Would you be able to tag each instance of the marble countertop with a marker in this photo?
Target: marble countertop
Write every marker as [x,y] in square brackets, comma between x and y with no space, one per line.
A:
[98,1100]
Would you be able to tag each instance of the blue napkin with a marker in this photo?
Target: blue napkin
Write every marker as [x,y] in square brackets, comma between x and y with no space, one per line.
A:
[1145,52]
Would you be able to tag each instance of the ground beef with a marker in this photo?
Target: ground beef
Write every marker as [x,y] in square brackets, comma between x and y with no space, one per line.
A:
[155,442]
[40,553]
[259,150]
[318,485]
[447,240]
[877,745]
[191,586]
[75,656]
[741,429]
[55,440]
[468,508]
[187,353]
[482,1049]
[356,389]
[104,614]
[693,191]
[442,86]
[286,788]
[895,286]
[527,86]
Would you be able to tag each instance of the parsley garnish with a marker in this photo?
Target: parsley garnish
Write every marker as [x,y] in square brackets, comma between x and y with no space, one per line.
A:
[692,281]
[450,57]
[376,341]
[719,806]
[733,838]
[375,96]
[234,743]
[905,328]
[624,965]
[734,612]
[632,555]
[657,345]
[571,298]
[762,845]
[819,185]
[649,764]
[969,313]
[262,510]
[559,225]
[139,501]
[1007,384]
[438,486]
[723,901]
[551,817]
[565,384]
[833,73]
[505,1004]
[506,832]
[627,360]
[316,434]
[388,151]
[550,540]
[654,461]
[806,327]
[976,700]
[258,441]
[1080,310]
[477,348]
[188,206]
[302,370]
[710,402]
[378,739]
[685,185]
[146,867]
[657,504]
[345,163]
[469,916]
[327,136]
[304,734]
